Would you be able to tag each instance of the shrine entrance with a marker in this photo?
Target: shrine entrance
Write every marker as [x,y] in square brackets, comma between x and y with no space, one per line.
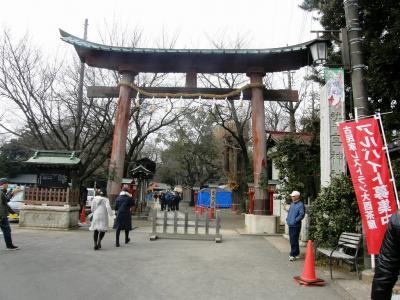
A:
[255,63]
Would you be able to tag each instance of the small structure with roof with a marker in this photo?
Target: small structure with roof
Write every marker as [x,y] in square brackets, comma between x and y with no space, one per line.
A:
[143,172]
[54,201]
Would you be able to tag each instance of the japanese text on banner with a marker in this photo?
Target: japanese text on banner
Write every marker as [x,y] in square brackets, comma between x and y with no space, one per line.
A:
[367,162]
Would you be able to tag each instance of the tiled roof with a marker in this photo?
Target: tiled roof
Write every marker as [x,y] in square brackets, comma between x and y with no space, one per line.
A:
[54,158]
[155,60]
[76,41]
[304,138]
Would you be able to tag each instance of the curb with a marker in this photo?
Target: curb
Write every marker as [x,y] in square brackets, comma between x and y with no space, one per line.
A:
[243,232]
[345,294]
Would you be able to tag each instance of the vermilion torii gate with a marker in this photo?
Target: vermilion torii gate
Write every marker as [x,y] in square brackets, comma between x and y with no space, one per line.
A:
[131,61]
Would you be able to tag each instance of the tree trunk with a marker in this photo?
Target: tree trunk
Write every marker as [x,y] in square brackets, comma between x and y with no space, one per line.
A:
[292,119]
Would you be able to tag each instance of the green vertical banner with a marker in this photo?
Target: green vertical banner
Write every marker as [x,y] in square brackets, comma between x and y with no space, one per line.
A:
[334,78]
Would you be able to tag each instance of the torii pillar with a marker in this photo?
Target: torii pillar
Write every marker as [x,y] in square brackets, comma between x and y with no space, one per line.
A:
[118,152]
[258,222]
[259,147]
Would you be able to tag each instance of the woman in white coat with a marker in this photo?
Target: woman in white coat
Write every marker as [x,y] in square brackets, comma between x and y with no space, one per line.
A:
[101,209]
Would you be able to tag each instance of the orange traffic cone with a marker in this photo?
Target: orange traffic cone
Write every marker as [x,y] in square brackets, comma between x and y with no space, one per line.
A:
[308,276]
[82,219]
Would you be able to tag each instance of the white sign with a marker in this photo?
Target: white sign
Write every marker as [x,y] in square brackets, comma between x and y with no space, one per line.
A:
[332,157]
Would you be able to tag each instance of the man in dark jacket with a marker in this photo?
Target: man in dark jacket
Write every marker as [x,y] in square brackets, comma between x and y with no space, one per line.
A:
[5,209]
[169,199]
[162,201]
[388,262]
[123,221]
[177,199]
[295,215]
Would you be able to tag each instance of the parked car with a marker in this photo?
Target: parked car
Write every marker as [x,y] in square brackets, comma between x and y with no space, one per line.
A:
[16,201]
[89,198]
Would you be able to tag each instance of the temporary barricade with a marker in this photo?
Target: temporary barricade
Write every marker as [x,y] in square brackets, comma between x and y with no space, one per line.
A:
[223,198]
[197,229]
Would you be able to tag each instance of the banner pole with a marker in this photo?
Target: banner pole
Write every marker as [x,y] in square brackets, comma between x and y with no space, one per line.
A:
[356,114]
[373,262]
[363,117]
[378,116]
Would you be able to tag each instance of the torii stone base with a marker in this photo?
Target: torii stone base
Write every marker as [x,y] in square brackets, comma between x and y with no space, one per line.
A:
[260,224]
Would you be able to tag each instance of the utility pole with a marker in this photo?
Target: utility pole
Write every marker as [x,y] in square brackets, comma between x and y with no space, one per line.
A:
[358,83]
[312,105]
[359,87]
[292,119]
[80,94]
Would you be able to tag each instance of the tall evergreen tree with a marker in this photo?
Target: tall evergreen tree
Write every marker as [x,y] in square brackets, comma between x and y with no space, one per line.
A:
[380,22]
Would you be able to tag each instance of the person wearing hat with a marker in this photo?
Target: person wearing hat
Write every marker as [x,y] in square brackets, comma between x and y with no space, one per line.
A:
[5,209]
[295,215]
[123,204]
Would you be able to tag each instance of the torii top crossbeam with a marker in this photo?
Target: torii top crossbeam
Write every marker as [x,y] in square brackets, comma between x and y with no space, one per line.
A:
[149,60]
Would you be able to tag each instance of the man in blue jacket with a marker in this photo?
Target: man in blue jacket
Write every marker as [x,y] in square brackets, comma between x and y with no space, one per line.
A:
[295,215]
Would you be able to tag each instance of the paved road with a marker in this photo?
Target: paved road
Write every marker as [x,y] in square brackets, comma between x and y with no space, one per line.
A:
[63,265]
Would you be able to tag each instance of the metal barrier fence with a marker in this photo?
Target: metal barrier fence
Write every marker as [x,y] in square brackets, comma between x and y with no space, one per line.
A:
[197,229]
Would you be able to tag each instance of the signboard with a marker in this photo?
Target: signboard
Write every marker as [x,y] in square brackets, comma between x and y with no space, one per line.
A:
[213,192]
[369,170]
[334,78]
[52,180]
[332,112]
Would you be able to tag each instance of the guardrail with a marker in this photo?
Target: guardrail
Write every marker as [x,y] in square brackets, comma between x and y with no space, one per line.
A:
[197,229]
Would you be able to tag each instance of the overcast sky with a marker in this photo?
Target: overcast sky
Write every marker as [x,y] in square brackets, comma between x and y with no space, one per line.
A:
[263,23]
[266,23]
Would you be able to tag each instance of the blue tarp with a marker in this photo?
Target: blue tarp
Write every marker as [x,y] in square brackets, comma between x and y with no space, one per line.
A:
[223,198]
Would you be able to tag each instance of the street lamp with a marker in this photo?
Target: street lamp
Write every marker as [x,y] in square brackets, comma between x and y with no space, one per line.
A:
[319,50]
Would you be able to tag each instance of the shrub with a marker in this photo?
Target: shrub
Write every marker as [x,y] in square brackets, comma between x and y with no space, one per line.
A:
[334,211]
[297,164]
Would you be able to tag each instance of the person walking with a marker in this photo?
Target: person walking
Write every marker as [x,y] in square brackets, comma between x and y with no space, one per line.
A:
[169,199]
[177,199]
[162,201]
[295,214]
[123,205]
[101,209]
[5,209]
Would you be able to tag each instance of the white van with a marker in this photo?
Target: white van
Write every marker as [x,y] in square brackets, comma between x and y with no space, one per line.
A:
[89,198]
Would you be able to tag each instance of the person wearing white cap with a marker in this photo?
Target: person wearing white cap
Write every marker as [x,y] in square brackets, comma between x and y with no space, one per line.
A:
[295,215]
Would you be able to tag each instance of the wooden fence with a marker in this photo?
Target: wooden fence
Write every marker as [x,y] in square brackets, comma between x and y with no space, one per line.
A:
[197,229]
[51,196]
